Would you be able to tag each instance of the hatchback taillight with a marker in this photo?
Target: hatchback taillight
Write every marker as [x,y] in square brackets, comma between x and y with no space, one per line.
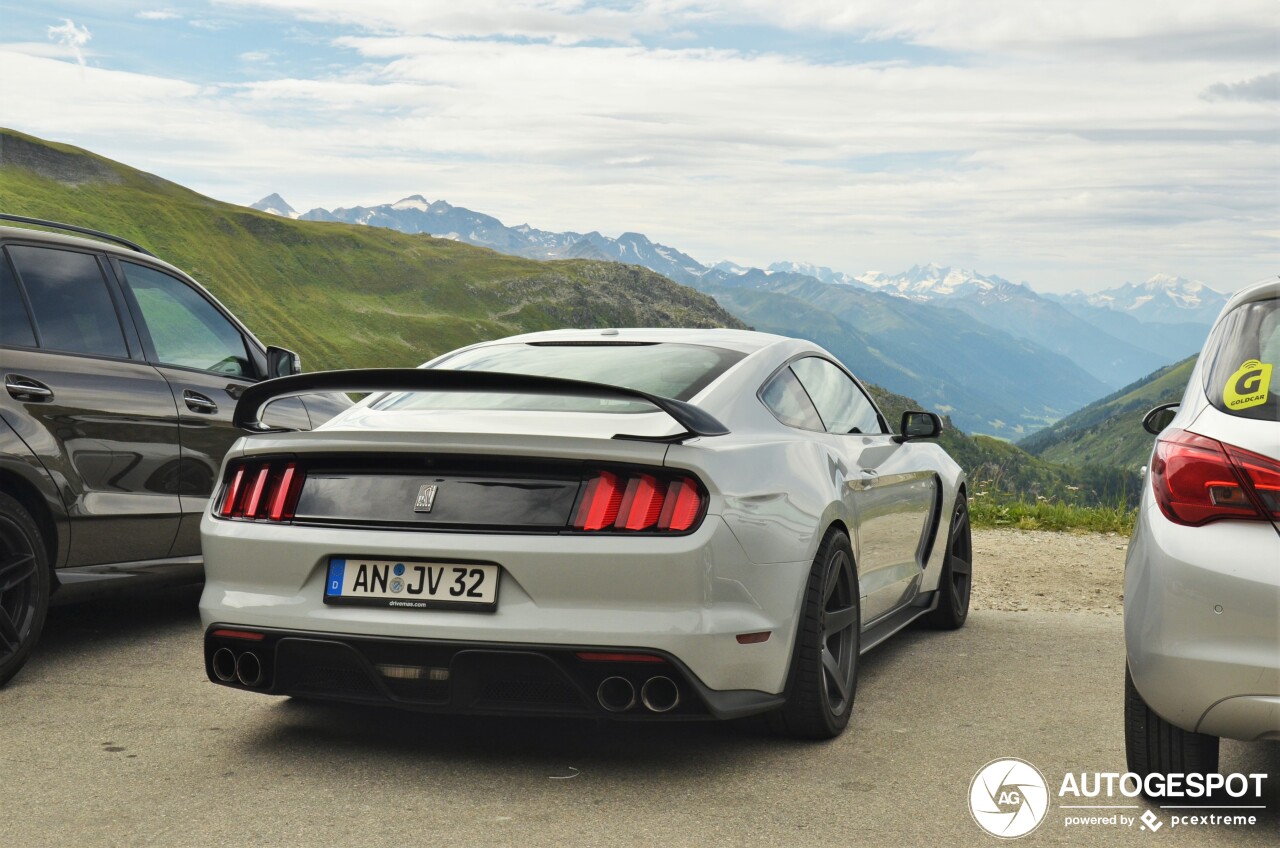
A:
[1197,480]
[261,491]
[618,501]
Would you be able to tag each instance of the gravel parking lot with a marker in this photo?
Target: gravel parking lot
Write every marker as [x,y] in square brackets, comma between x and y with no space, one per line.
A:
[111,736]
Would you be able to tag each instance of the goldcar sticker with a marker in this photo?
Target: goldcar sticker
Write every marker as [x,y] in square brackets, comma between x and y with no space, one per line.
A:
[1249,386]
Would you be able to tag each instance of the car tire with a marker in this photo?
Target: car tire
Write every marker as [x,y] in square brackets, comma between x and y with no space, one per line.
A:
[24,586]
[823,676]
[956,581]
[1154,746]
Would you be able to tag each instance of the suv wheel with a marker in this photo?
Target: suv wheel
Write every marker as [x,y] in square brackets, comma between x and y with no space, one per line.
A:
[24,586]
[1154,746]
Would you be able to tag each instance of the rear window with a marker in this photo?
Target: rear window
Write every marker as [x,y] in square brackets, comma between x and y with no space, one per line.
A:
[1241,379]
[676,371]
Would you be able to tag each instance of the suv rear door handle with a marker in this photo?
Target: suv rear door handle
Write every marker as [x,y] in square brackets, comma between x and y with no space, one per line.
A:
[197,402]
[25,388]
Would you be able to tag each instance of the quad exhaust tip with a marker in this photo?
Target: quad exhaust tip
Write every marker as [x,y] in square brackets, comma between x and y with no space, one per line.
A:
[248,669]
[224,665]
[616,694]
[660,694]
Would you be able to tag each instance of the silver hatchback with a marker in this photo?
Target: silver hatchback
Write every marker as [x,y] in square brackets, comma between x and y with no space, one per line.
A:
[1202,579]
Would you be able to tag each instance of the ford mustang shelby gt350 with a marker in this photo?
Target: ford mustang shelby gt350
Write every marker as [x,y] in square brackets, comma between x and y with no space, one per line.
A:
[634,524]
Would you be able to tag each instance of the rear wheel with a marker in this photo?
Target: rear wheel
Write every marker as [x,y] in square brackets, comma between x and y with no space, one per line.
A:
[24,586]
[1154,746]
[824,667]
[956,581]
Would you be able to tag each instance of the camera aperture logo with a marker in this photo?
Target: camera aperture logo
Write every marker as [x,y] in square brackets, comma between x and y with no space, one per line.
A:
[1008,798]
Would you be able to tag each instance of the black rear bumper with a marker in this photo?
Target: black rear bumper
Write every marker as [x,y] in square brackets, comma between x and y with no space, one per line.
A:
[465,677]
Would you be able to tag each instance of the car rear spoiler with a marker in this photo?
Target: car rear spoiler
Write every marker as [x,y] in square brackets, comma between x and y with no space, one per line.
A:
[248,414]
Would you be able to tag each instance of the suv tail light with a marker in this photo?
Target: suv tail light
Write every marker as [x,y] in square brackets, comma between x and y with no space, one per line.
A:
[1197,480]
[261,491]
[617,501]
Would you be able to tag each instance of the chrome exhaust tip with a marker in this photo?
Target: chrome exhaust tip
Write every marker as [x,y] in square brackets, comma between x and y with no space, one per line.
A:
[660,694]
[224,665]
[616,694]
[249,669]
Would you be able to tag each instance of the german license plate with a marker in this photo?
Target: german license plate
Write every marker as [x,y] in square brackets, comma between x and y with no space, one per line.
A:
[411,585]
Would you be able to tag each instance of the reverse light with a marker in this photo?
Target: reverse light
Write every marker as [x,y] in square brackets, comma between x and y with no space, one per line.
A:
[614,501]
[1197,480]
[261,491]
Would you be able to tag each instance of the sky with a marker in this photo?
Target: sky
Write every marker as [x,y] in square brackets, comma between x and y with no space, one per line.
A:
[1077,144]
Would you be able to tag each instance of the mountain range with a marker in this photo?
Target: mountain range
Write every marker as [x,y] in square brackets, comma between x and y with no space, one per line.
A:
[999,357]
[342,296]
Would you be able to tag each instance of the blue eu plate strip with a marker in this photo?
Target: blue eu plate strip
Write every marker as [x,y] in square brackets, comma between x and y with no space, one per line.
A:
[337,568]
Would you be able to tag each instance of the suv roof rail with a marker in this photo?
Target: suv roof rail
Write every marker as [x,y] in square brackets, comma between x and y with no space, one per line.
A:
[4,216]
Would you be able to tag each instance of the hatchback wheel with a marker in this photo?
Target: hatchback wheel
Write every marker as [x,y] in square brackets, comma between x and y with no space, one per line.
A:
[1154,746]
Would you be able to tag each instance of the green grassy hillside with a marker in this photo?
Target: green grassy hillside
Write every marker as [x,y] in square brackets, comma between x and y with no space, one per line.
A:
[339,294]
[1001,472]
[1109,431]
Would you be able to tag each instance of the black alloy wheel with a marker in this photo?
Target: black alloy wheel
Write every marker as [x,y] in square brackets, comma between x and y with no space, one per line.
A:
[956,580]
[24,586]
[824,668]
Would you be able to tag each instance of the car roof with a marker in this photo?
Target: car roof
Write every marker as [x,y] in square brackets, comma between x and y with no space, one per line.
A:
[1261,290]
[743,341]
[64,240]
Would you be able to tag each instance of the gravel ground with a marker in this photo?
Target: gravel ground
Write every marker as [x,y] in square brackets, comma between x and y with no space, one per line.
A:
[1020,571]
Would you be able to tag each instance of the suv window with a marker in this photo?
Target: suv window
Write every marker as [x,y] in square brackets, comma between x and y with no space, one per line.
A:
[1245,351]
[185,329]
[842,405]
[15,324]
[69,300]
[789,402]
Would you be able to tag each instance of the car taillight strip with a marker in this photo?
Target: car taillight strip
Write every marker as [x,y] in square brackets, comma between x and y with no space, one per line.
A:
[262,491]
[1197,480]
[639,502]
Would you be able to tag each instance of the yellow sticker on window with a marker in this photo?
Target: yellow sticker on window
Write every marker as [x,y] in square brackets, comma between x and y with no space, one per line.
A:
[1248,386]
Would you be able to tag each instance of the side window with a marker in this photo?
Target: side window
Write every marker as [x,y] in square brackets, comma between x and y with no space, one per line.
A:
[69,300]
[185,329]
[842,405]
[15,324]
[788,402]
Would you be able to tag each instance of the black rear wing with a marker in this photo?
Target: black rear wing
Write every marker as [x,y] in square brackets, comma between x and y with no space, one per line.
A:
[695,421]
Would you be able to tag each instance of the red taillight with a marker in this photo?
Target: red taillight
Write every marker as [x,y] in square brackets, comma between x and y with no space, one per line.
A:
[262,491]
[232,493]
[247,635]
[1197,480]
[638,501]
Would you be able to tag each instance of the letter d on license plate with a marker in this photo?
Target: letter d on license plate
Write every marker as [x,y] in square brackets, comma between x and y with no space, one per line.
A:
[412,584]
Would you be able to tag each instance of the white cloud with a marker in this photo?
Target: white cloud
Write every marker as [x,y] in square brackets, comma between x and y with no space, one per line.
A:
[159,15]
[72,37]
[254,56]
[1031,163]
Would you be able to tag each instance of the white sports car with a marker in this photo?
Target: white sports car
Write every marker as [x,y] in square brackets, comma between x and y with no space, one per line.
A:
[633,524]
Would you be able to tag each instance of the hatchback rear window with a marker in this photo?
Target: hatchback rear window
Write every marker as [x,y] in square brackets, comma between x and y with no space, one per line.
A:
[676,371]
[1242,375]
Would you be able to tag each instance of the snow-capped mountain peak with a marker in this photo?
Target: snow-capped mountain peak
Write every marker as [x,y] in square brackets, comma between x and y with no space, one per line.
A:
[932,281]
[274,204]
[413,201]
[818,272]
[1161,297]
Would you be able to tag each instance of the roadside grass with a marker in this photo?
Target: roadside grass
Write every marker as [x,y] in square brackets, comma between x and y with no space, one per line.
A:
[1043,514]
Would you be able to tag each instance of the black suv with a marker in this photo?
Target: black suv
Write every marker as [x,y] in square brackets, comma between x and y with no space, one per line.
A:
[120,376]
